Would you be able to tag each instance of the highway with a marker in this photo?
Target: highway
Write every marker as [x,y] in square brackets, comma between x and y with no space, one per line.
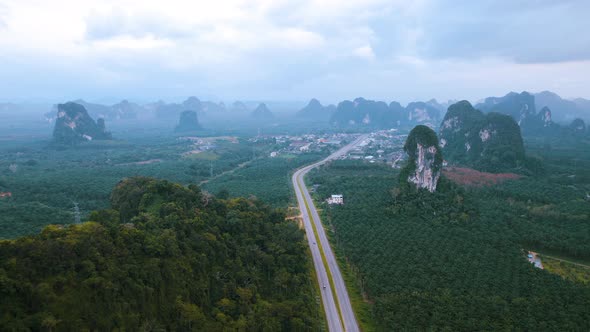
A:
[336,302]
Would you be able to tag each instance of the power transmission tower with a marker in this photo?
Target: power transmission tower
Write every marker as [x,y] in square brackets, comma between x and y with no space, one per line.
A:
[77,218]
[211,168]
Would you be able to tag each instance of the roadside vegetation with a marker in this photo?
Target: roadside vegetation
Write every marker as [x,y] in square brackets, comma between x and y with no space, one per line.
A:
[567,269]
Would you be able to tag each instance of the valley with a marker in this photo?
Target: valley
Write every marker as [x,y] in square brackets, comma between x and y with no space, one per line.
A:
[395,229]
[297,166]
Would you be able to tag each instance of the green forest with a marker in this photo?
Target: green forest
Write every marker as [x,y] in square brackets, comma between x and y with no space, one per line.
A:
[186,252]
[163,257]
[455,259]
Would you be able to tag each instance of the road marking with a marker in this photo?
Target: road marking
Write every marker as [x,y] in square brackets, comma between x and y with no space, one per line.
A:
[324,260]
[338,300]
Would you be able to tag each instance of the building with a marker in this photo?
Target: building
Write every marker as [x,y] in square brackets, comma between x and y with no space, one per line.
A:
[6,194]
[274,154]
[336,199]
[305,148]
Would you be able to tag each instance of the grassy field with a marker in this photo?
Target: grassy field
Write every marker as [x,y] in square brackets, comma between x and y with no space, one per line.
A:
[569,270]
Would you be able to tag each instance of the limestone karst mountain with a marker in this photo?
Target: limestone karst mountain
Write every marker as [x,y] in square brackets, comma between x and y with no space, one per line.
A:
[377,114]
[262,113]
[209,107]
[173,110]
[520,106]
[425,159]
[238,107]
[488,142]
[422,113]
[96,110]
[74,125]
[314,110]
[564,110]
[126,110]
[364,112]
[188,122]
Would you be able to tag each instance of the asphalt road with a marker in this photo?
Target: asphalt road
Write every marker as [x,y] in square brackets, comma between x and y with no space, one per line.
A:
[337,298]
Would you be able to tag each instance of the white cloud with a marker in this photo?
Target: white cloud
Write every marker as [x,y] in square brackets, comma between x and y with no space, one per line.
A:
[125,42]
[365,51]
[410,60]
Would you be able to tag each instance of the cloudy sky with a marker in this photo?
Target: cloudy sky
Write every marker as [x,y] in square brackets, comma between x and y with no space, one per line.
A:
[292,50]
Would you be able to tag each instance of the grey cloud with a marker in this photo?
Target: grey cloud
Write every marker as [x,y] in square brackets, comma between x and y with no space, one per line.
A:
[522,31]
[527,32]
[447,40]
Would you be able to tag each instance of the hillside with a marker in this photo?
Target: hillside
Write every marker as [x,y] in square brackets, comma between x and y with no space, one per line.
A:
[165,257]
[424,163]
[487,142]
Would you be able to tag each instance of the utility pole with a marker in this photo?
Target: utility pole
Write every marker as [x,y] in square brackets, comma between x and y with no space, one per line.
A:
[211,168]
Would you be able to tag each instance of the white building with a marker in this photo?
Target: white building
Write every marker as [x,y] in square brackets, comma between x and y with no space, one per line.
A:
[336,199]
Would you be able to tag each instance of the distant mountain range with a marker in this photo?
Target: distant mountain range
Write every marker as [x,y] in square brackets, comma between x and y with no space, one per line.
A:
[378,114]
[524,106]
[563,110]
[530,110]
[520,106]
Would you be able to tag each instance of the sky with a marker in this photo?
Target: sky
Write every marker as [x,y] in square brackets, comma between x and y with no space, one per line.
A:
[292,50]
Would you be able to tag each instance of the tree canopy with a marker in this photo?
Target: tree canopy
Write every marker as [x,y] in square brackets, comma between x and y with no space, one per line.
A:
[165,257]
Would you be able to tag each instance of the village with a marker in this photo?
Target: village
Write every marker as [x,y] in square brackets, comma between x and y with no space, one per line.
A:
[384,146]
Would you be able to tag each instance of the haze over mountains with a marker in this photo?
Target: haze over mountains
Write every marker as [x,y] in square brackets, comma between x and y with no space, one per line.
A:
[543,113]
[74,125]
[294,165]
